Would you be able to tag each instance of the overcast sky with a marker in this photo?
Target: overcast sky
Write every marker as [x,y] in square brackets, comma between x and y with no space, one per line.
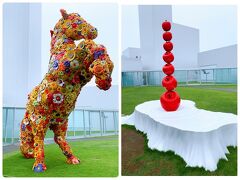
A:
[217,24]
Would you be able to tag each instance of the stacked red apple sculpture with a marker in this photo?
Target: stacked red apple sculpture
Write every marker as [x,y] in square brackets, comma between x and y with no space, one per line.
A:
[170,100]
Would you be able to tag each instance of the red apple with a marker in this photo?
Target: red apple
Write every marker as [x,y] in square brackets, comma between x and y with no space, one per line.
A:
[168,69]
[170,101]
[168,46]
[168,57]
[169,82]
[166,25]
[167,36]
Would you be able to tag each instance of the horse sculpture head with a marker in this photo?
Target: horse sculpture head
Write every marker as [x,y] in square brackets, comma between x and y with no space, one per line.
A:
[75,27]
[101,68]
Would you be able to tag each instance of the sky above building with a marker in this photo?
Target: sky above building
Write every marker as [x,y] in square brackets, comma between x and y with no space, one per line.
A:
[217,24]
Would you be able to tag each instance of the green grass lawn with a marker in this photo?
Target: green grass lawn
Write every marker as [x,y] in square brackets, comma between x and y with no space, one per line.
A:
[233,86]
[205,99]
[99,158]
[154,162]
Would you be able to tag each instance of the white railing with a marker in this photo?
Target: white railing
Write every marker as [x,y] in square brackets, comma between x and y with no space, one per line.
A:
[184,77]
[83,122]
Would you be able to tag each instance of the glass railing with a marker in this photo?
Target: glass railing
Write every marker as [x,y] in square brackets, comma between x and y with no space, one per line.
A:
[81,123]
[184,77]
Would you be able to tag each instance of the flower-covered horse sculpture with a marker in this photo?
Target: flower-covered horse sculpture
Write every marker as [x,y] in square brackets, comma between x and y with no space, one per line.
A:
[51,102]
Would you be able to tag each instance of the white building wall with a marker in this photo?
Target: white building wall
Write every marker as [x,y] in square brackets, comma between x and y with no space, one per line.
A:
[225,57]
[131,59]
[186,47]
[132,53]
[93,97]
[34,46]
[185,39]
[15,53]
[150,20]
[130,64]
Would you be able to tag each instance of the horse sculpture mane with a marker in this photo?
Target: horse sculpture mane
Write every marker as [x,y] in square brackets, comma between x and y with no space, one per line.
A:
[70,68]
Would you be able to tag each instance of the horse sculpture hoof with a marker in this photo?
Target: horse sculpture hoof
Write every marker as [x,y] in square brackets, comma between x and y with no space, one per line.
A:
[39,168]
[73,160]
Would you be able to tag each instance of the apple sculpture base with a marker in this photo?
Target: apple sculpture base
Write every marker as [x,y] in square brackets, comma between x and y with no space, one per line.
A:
[170,100]
[199,136]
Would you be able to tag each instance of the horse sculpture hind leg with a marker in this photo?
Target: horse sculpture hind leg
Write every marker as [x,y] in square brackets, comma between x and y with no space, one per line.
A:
[26,138]
[60,139]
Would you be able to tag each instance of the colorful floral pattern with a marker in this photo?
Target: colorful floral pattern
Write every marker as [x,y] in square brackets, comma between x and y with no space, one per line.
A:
[70,68]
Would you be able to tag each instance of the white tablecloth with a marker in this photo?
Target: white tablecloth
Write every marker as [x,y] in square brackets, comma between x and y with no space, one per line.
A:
[200,137]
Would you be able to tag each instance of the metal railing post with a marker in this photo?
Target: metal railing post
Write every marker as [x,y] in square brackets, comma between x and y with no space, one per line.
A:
[146,76]
[89,119]
[200,76]
[84,124]
[104,125]
[13,126]
[73,123]
[214,76]
[115,123]
[229,80]
[5,138]
[101,124]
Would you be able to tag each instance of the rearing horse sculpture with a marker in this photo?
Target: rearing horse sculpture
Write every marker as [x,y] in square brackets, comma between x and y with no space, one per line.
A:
[70,68]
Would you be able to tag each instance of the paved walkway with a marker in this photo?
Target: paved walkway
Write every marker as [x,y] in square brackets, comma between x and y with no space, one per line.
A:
[15,146]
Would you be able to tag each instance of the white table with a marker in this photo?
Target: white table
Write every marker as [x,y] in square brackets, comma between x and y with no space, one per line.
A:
[200,137]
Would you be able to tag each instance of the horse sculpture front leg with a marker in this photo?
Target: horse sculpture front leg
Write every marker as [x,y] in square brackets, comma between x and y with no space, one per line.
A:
[60,139]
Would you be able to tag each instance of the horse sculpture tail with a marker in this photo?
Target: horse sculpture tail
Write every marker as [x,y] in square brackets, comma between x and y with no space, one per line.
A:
[26,138]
